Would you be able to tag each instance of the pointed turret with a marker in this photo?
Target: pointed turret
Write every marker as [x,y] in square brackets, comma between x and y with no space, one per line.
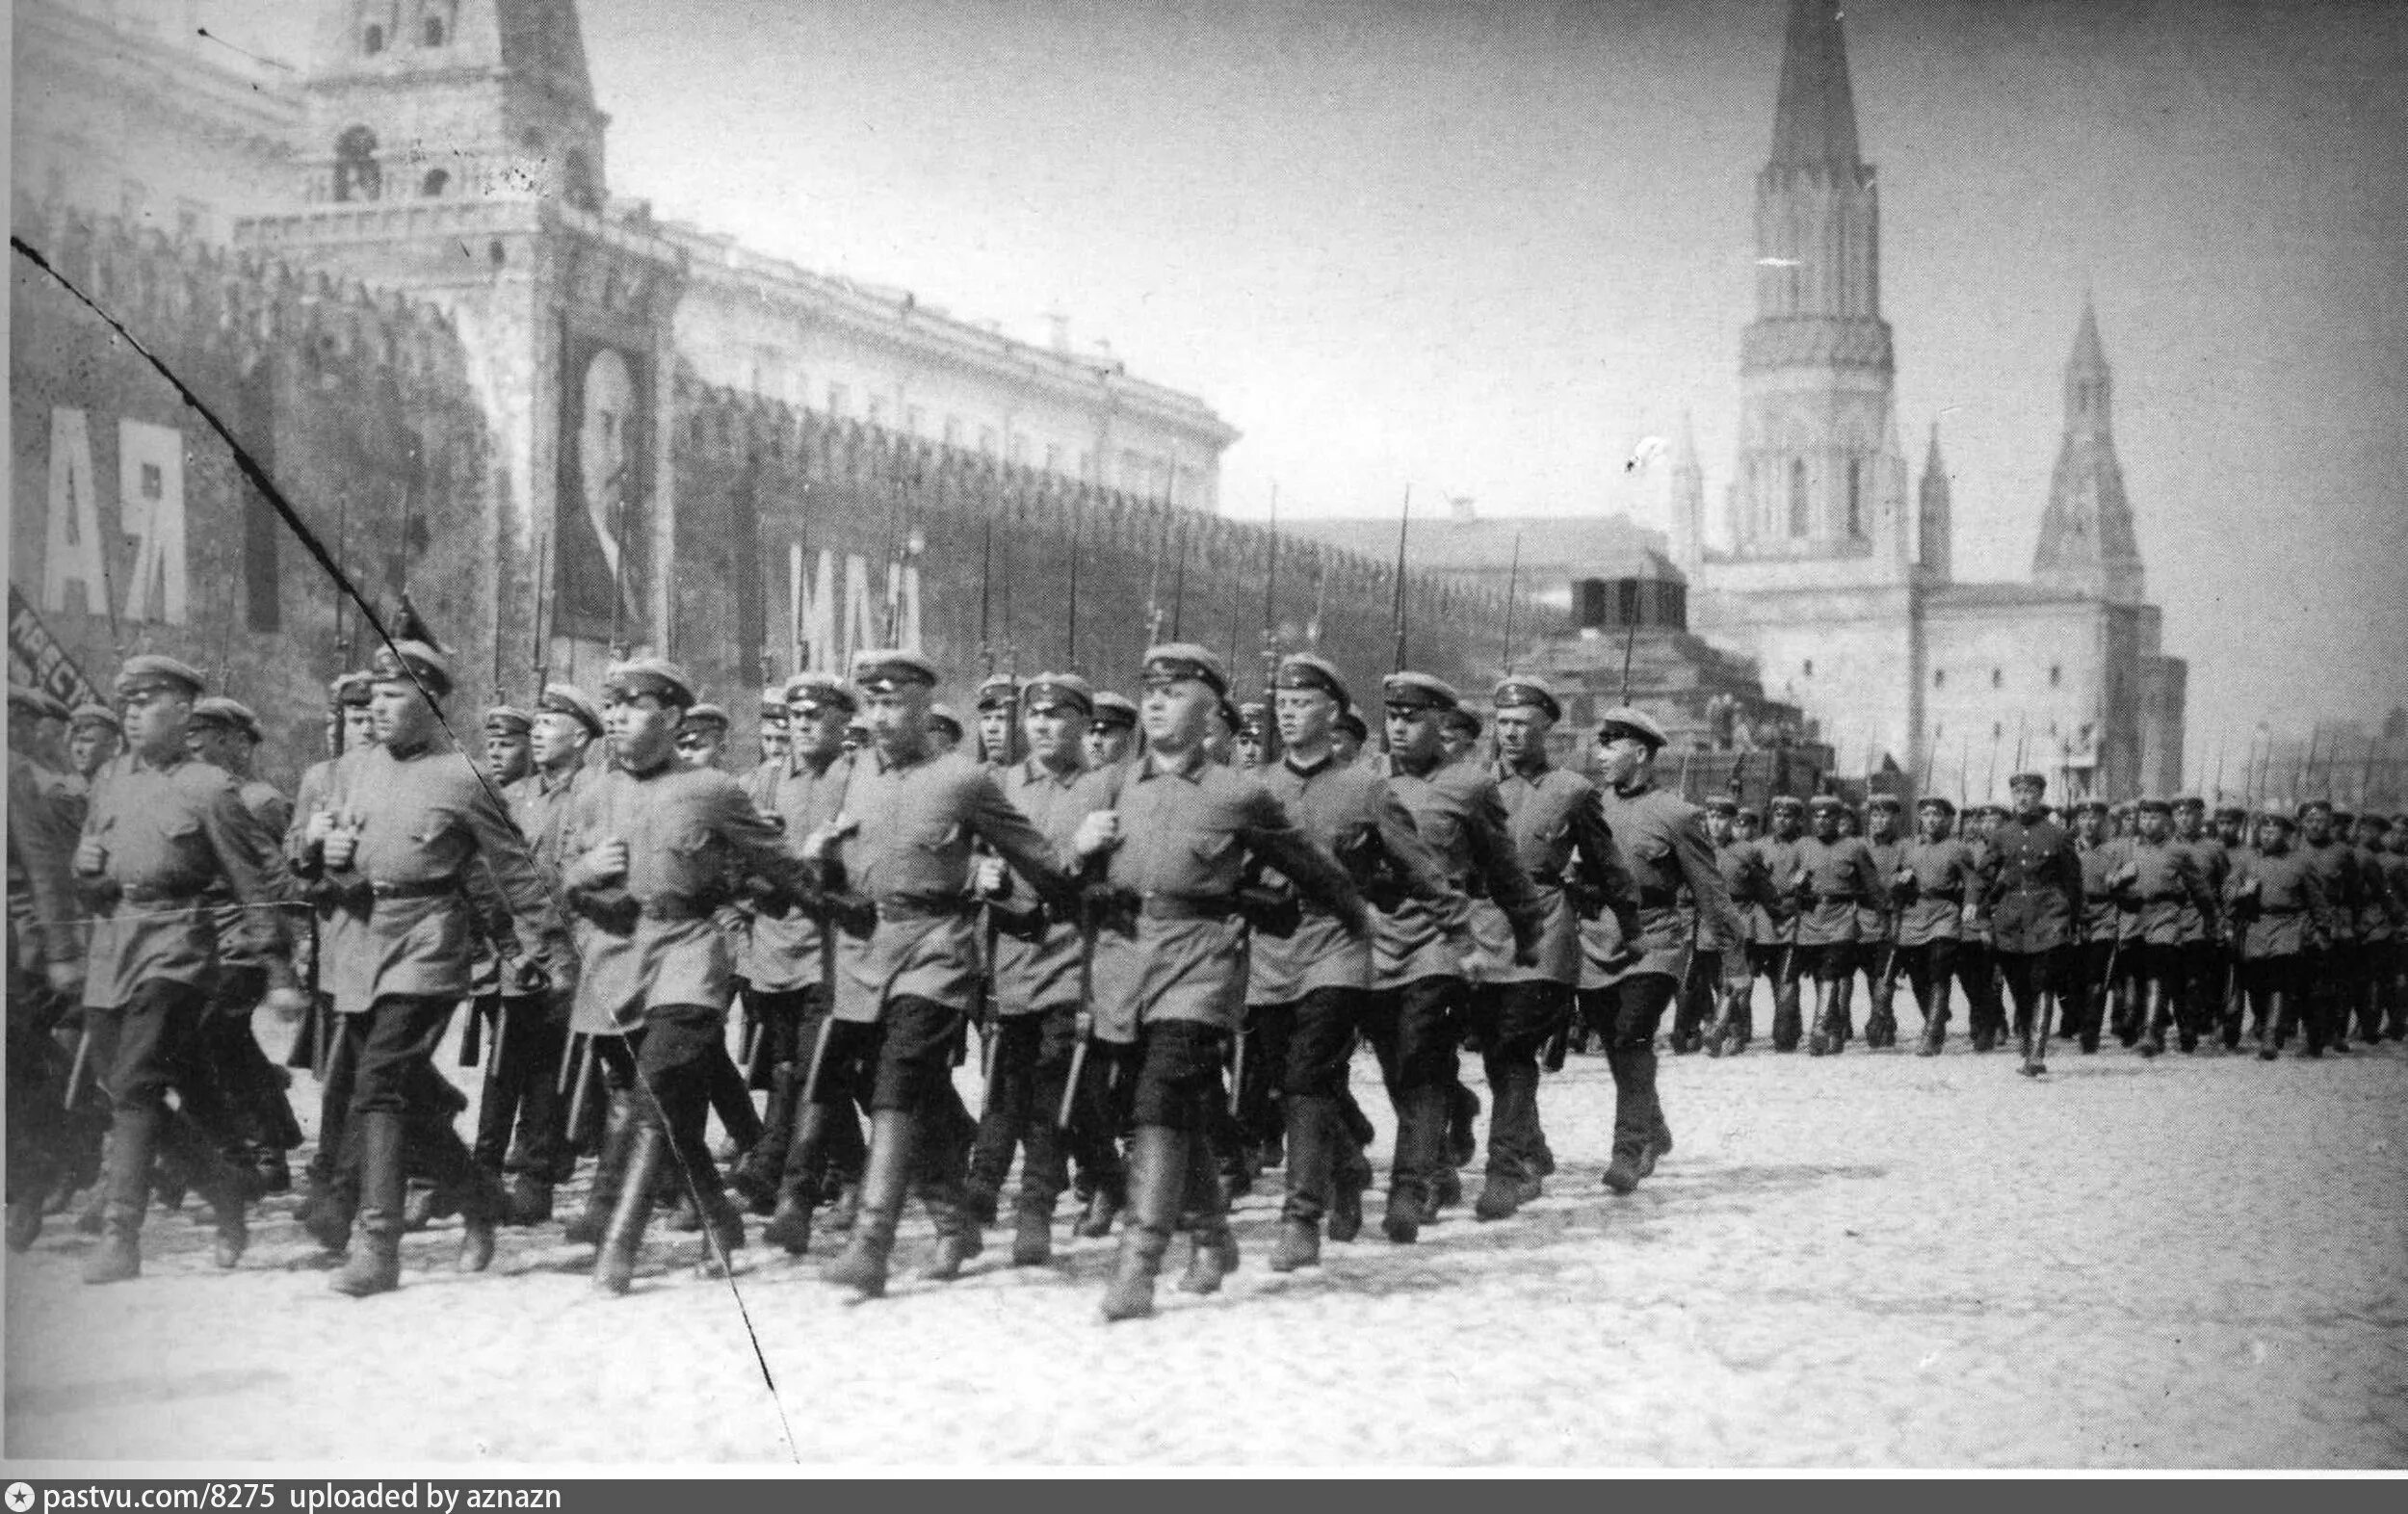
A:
[1814,122]
[1934,527]
[1688,501]
[2086,538]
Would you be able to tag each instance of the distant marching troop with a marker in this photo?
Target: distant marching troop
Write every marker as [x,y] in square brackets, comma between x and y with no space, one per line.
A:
[1169,922]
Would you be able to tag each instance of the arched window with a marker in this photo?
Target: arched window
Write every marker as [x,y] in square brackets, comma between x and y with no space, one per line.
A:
[436,182]
[1797,496]
[356,172]
[372,40]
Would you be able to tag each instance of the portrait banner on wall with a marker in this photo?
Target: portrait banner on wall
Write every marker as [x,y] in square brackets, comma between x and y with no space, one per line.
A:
[601,518]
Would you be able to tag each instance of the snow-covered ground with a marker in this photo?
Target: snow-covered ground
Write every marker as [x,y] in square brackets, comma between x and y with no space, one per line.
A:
[1873,1261]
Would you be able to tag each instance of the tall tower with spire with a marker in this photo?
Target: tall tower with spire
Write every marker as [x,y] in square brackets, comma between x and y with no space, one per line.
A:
[1934,529]
[2086,541]
[1818,475]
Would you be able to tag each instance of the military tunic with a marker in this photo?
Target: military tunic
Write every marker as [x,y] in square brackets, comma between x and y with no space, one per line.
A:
[782,953]
[1838,877]
[1557,827]
[1034,975]
[2165,888]
[2285,916]
[1351,813]
[2033,886]
[1455,810]
[45,911]
[1662,847]
[1931,906]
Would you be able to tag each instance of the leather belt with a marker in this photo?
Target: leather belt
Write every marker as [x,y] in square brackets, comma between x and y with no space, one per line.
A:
[669,908]
[413,888]
[1659,897]
[155,894]
[1184,906]
[910,907]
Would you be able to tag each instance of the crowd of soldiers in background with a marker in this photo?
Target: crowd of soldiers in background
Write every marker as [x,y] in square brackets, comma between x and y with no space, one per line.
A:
[1163,986]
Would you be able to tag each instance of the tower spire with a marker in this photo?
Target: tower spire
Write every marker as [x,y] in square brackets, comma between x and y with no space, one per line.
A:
[1814,123]
[2086,538]
[1935,527]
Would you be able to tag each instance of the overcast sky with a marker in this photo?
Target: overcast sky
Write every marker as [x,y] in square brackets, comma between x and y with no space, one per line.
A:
[1484,250]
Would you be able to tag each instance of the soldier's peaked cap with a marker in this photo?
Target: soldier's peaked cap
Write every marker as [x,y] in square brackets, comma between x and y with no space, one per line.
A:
[2153,806]
[2190,801]
[1178,661]
[1787,802]
[154,670]
[94,715]
[2090,806]
[1885,801]
[1253,719]
[509,719]
[1305,670]
[413,662]
[2310,806]
[656,676]
[2239,812]
[1412,690]
[707,715]
[1459,718]
[1723,804]
[942,717]
[2276,815]
[774,702]
[1522,692]
[1058,692]
[818,690]
[2028,780]
[1826,804]
[38,703]
[1934,802]
[1350,721]
[232,714]
[570,700]
[1114,708]
[885,670]
[352,688]
[999,690]
[1625,723]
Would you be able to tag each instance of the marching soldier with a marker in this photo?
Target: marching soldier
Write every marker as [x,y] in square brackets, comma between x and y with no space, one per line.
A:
[944,730]
[1421,972]
[1877,923]
[1038,985]
[2331,964]
[2394,979]
[94,736]
[1315,983]
[1112,735]
[393,841]
[1253,738]
[904,991]
[999,721]
[2204,978]
[509,755]
[225,735]
[1348,735]
[655,848]
[2278,909]
[1933,891]
[162,829]
[1558,831]
[1733,828]
[702,737]
[2034,890]
[807,1154]
[2105,967]
[2161,886]
[45,970]
[1835,878]
[1169,967]
[1461,733]
[1663,848]
[1977,963]
[522,1090]
[1777,931]
[2379,923]
[773,724]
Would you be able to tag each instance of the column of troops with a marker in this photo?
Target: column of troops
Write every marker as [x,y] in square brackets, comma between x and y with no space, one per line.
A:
[1162,927]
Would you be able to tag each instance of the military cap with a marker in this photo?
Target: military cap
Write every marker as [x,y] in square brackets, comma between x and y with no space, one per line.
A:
[1058,692]
[1825,805]
[413,662]
[232,714]
[570,700]
[1411,691]
[2152,805]
[2027,780]
[941,717]
[1749,812]
[1253,719]
[352,688]
[1885,801]
[1230,716]
[999,692]
[707,715]
[1305,670]
[815,691]
[1113,710]
[508,719]
[2231,812]
[1520,691]
[885,670]
[773,704]
[2307,806]
[1459,718]
[2190,801]
[656,676]
[1723,804]
[1175,661]
[1622,720]
[2342,816]
[154,670]
[2375,820]
[1351,722]
[2278,817]
[1934,802]
[2091,806]
[1787,802]
[39,703]
[95,715]
[1992,808]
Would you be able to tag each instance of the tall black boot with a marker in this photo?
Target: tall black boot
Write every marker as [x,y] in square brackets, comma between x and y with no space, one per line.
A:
[1420,1154]
[893,1134]
[1637,1119]
[1311,1127]
[798,1186]
[1824,1038]
[610,1169]
[1511,1180]
[757,1179]
[219,1181]
[1206,1215]
[126,1192]
[1158,1179]
[615,1265]
[1788,1016]
[375,1263]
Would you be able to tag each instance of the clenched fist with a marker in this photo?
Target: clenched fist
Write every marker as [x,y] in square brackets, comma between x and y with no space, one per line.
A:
[1099,833]
[604,865]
